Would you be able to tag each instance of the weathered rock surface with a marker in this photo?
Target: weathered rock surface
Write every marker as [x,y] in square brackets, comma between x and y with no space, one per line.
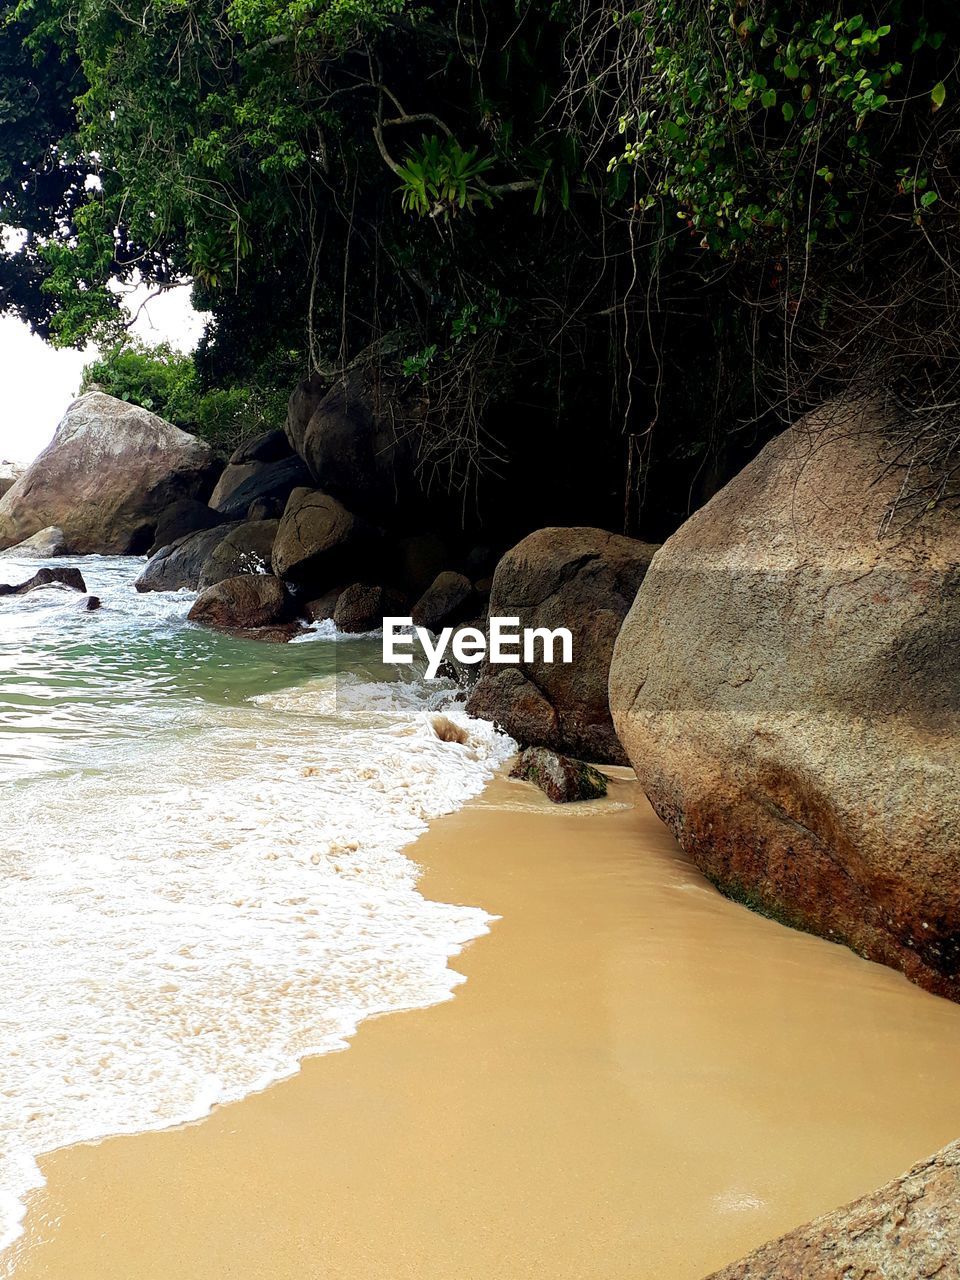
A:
[581,579]
[60,577]
[362,608]
[787,688]
[448,600]
[178,567]
[317,538]
[186,515]
[244,602]
[110,472]
[244,483]
[354,450]
[908,1230]
[43,545]
[560,778]
[246,549]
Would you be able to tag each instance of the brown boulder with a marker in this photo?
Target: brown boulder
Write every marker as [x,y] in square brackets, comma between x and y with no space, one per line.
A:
[907,1230]
[246,549]
[110,472]
[363,608]
[448,600]
[787,688]
[244,602]
[322,607]
[317,537]
[581,579]
[347,435]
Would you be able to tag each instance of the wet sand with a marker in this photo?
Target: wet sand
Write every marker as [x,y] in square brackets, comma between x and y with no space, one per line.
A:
[639,1079]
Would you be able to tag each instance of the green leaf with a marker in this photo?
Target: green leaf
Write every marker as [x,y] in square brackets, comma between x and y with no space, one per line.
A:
[788,111]
[928,198]
[939,95]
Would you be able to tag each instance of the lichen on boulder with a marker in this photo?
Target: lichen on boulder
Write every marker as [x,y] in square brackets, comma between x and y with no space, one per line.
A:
[561,778]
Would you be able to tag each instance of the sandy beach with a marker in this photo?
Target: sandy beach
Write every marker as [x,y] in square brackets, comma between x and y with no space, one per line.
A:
[638,1079]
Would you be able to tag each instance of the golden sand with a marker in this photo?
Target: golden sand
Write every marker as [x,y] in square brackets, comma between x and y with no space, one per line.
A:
[639,1080]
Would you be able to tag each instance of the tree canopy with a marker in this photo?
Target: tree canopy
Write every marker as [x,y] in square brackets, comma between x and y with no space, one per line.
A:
[646,232]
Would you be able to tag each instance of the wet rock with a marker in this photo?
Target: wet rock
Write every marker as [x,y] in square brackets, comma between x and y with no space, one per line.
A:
[91,604]
[178,567]
[448,600]
[561,778]
[245,549]
[110,472]
[908,1230]
[243,602]
[322,607]
[788,691]
[581,579]
[60,577]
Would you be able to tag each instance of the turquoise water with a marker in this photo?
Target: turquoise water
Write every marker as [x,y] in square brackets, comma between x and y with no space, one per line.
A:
[202,876]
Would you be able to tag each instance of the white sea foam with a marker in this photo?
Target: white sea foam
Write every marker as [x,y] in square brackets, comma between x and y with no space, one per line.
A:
[208,899]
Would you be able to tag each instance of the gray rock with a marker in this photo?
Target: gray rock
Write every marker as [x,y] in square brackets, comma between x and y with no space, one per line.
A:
[178,567]
[788,691]
[186,515]
[246,549]
[43,545]
[110,472]
[247,482]
[60,577]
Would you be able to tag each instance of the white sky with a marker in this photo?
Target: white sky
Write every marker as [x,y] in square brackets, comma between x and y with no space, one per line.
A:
[37,382]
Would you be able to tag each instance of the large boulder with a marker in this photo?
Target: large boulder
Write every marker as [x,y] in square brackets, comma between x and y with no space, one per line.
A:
[178,567]
[184,516]
[242,603]
[355,448]
[787,688]
[245,483]
[318,539]
[362,608]
[109,473]
[581,579]
[908,1230]
[246,549]
[42,545]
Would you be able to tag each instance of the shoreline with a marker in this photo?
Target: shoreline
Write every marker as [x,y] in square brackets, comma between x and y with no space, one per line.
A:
[638,1078]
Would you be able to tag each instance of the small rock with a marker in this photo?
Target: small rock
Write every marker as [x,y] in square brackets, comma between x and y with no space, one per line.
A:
[243,602]
[43,545]
[324,606]
[561,778]
[91,603]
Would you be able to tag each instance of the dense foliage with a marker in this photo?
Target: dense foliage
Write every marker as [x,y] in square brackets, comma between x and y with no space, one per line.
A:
[626,238]
[166,382]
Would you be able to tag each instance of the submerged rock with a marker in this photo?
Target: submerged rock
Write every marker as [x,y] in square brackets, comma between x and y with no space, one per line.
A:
[560,778]
[110,472]
[243,602]
[581,579]
[908,1229]
[788,691]
[60,577]
[46,544]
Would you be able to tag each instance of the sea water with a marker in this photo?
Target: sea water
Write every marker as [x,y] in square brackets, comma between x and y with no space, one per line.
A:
[202,866]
